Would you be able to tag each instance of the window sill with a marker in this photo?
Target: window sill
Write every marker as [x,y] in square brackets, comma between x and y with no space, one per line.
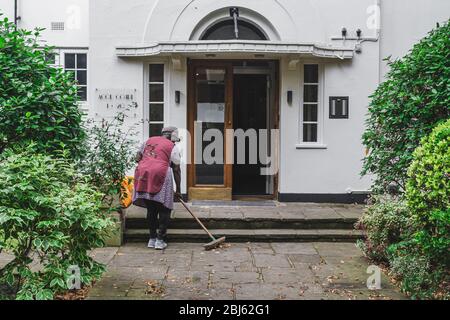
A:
[311,146]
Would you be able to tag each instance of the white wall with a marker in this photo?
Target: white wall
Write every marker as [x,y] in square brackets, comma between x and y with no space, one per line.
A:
[40,13]
[7,8]
[405,22]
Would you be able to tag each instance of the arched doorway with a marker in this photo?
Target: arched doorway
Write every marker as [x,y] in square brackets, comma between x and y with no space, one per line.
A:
[238,95]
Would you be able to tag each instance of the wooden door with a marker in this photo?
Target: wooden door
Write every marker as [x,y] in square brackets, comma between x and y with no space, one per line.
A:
[210,114]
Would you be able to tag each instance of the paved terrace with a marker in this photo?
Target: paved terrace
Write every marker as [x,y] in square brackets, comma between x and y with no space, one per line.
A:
[247,270]
[293,271]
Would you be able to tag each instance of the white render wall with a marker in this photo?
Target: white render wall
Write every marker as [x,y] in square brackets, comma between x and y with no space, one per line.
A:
[331,170]
[40,13]
[405,22]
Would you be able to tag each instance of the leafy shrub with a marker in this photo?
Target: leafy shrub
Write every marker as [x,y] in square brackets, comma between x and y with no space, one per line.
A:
[428,194]
[108,154]
[414,272]
[50,215]
[428,187]
[386,221]
[420,276]
[37,101]
[422,261]
[406,107]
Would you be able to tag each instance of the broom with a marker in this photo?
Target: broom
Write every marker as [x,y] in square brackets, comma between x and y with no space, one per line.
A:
[210,245]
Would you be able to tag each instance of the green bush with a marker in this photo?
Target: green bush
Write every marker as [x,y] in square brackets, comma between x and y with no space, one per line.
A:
[428,194]
[421,276]
[48,215]
[406,107]
[428,187]
[386,221]
[37,101]
[421,261]
[428,198]
[108,154]
[414,272]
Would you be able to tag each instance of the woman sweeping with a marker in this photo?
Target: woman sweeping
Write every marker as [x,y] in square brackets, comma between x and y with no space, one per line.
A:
[158,166]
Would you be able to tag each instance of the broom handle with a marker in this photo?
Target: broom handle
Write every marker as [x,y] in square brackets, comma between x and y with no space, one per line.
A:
[198,220]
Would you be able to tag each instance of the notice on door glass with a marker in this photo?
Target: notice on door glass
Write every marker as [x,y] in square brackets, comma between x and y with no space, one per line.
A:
[211,112]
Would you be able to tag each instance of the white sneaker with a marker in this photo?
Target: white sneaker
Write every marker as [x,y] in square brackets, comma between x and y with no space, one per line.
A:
[160,245]
[151,243]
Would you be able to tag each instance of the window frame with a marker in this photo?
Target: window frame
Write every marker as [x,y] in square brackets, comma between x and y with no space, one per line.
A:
[62,62]
[319,144]
[147,103]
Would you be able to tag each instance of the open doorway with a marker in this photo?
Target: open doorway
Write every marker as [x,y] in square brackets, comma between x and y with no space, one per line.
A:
[253,109]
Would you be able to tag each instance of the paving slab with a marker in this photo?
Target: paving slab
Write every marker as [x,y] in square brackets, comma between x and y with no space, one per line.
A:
[236,277]
[294,248]
[291,215]
[247,266]
[134,260]
[187,278]
[271,261]
[260,247]
[299,259]
[226,213]
[320,213]
[5,259]
[281,275]
[261,214]
[350,212]
[337,249]
[270,291]
[104,255]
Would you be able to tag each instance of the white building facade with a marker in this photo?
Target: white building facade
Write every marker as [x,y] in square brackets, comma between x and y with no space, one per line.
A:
[300,70]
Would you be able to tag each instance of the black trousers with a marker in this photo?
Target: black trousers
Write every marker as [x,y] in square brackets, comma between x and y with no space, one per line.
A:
[158,218]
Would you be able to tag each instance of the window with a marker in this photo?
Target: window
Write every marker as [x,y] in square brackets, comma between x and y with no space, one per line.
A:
[310,113]
[51,58]
[77,64]
[224,30]
[156,99]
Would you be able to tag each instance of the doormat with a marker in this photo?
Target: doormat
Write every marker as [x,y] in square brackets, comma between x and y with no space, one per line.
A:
[233,203]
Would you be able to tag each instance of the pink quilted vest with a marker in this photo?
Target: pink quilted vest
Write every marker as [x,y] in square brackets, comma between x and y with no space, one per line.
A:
[152,169]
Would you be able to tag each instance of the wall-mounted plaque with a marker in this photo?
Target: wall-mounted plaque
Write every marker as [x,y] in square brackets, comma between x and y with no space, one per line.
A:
[339,107]
[115,99]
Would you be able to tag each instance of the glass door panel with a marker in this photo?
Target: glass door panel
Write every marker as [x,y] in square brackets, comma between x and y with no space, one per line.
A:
[209,122]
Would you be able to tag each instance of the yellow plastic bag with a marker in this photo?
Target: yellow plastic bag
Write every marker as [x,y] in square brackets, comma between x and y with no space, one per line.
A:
[126,194]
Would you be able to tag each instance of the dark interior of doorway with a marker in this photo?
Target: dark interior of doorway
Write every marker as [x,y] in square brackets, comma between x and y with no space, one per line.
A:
[249,112]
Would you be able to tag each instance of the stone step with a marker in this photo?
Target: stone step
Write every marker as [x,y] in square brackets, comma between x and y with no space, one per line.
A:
[249,223]
[291,216]
[247,235]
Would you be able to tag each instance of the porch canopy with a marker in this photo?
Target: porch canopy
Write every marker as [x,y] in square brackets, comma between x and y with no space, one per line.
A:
[229,48]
